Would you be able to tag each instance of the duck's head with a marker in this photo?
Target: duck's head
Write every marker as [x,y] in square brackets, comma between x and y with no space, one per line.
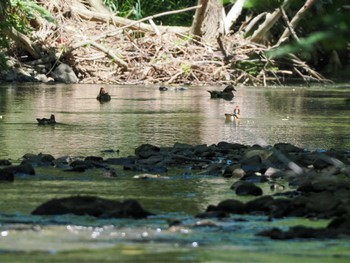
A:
[229,88]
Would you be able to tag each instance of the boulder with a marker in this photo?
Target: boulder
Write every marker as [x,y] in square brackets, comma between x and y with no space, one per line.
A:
[92,206]
[8,173]
[144,151]
[246,188]
[65,74]
[5,162]
[38,160]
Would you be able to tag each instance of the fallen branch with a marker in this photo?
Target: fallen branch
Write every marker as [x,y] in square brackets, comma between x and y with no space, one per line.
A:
[296,19]
[289,26]
[109,53]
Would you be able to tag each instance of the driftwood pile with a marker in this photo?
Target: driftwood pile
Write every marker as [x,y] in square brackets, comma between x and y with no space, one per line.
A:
[104,48]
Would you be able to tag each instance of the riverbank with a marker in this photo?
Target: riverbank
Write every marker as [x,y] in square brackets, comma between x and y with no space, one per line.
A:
[82,41]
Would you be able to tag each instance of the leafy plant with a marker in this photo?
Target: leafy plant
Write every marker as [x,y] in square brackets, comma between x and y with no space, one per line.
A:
[252,67]
[136,9]
[17,14]
[186,68]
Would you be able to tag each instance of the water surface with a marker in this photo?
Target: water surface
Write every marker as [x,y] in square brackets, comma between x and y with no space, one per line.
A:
[312,118]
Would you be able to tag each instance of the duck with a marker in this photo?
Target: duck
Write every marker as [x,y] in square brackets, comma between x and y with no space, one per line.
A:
[45,121]
[103,96]
[163,88]
[226,94]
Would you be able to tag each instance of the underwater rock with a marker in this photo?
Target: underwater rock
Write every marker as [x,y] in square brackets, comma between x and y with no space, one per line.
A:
[8,173]
[5,162]
[38,159]
[92,206]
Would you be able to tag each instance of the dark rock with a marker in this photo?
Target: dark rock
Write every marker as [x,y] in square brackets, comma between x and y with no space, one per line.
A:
[214,169]
[230,146]
[200,149]
[8,173]
[88,164]
[65,74]
[252,177]
[228,171]
[121,161]
[77,168]
[338,227]
[153,169]
[321,204]
[253,163]
[92,206]
[24,169]
[38,160]
[298,232]
[183,149]
[287,147]
[321,163]
[151,160]
[279,208]
[340,224]
[231,206]
[246,188]
[5,162]
[146,150]
[94,158]
[261,204]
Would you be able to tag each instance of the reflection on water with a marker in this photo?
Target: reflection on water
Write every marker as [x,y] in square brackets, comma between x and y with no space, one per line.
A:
[309,118]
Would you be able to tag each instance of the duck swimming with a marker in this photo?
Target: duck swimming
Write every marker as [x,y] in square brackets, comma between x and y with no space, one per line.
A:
[45,121]
[103,96]
[226,94]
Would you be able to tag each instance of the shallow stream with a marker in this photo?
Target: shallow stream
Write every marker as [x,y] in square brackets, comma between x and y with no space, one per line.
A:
[311,118]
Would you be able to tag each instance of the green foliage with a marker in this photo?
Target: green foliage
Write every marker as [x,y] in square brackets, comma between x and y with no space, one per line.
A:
[262,6]
[17,14]
[3,64]
[186,68]
[323,32]
[137,9]
[305,45]
[330,30]
[252,67]
[31,7]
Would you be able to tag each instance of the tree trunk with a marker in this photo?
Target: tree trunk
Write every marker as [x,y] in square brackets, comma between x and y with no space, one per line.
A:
[208,20]
[233,14]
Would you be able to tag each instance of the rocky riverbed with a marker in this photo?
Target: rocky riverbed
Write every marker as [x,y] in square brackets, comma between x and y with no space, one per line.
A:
[308,184]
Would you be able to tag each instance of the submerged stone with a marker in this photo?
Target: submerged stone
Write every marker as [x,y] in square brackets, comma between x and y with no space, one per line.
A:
[92,206]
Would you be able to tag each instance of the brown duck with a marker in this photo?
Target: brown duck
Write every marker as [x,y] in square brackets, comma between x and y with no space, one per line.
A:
[226,94]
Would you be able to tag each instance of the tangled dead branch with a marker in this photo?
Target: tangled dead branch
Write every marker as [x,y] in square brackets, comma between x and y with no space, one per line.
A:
[106,51]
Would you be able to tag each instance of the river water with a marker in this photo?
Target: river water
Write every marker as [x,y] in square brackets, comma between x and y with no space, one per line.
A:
[311,118]
[308,118]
